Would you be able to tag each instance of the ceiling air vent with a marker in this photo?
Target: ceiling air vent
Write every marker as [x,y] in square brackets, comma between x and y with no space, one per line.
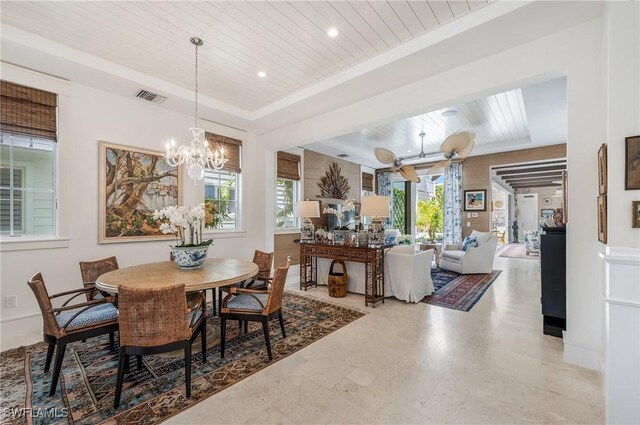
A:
[343,155]
[150,97]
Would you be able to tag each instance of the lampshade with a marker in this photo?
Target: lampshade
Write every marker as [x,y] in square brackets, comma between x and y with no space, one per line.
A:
[375,206]
[308,209]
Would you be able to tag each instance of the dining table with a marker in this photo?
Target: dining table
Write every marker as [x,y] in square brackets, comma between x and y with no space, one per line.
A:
[215,272]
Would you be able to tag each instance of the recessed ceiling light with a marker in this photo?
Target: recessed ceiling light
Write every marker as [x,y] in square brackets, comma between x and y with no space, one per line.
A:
[449,113]
[332,32]
[262,74]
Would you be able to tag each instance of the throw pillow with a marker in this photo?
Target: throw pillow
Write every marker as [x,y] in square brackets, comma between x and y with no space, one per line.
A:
[469,242]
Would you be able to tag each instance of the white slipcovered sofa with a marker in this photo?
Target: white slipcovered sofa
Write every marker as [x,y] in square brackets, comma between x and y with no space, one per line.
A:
[475,259]
[409,273]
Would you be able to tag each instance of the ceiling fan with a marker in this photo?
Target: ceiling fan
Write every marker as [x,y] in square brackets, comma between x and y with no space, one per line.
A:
[458,144]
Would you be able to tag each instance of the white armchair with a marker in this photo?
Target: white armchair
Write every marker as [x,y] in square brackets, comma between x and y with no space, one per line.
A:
[475,259]
[409,273]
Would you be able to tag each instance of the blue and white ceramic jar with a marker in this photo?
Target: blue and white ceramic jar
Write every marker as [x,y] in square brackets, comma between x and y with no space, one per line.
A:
[190,257]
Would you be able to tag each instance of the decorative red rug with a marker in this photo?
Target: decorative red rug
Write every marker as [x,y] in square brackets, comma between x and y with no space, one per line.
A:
[458,291]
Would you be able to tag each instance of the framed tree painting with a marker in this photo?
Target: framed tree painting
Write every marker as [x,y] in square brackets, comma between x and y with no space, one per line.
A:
[475,200]
[134,183]
[602,169]
[632,163]
[635,214]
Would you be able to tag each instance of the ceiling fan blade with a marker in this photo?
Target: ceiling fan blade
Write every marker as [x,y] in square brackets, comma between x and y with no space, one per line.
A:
[457,142]
[408,173]
[464,152]
[438,167]
[434,178]
[385,155]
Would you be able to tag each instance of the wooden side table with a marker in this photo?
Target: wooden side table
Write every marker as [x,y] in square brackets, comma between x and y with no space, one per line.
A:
[437,249]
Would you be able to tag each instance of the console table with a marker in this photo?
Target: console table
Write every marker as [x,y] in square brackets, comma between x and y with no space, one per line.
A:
[371,256]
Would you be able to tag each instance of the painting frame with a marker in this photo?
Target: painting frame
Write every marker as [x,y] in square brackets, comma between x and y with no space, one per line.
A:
[475,193]
[602,219]
[635,214]
[631,155]
[104,147]
[602,169]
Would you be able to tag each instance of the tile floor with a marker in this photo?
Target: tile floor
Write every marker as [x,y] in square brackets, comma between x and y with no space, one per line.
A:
[416,363]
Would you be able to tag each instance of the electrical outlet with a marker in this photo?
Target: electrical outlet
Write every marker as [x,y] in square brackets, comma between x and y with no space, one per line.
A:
[11,301]
[468,224]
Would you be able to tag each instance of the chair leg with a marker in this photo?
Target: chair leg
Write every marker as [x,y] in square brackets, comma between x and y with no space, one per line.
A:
[246,326]
[220,302]
[214,302]
[50,351]
[187,367]
[281,319]
[223,331]
[126,363]
[122,361]
[203,340]
[267,339]
[139,362]
[112,341]
[240,327]
[57,366]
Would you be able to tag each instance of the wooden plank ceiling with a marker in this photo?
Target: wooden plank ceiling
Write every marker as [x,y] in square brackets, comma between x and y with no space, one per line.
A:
[534,174]
[287,40]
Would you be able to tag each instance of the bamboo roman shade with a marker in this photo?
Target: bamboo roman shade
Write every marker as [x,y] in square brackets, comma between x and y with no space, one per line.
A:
[28,111]
[367,182]
[288,166]
[232,148]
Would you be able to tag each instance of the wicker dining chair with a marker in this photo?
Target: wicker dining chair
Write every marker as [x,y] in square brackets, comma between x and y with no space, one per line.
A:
[154,321]
[264,261]
[255,305]
[71,322]
[92,270]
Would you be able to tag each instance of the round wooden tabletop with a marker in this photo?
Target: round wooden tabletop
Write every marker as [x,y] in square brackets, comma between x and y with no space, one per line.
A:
[213,273]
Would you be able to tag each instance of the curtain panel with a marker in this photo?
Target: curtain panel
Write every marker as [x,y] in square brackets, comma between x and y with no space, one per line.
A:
[453,203]
[384,189]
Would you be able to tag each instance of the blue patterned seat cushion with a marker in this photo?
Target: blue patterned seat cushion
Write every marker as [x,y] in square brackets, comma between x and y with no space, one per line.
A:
[100,313]
[247,302]
[197,313]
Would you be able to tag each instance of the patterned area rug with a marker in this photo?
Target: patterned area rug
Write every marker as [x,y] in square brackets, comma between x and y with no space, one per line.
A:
[518,251]
[458,291]
[156,392]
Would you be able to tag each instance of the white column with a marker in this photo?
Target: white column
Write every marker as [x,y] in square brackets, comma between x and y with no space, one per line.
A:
[622,329]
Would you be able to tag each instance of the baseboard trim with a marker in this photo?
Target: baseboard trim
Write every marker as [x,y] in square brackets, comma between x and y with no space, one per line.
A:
[24,316]
[581,355]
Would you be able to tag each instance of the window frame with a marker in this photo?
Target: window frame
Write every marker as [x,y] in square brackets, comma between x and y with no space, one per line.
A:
[296,198]
[27,176]
[239,219]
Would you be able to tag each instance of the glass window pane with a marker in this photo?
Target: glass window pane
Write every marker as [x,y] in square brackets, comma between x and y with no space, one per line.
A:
[221,199]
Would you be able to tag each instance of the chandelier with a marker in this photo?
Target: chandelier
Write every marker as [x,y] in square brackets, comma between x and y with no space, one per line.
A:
[197,155]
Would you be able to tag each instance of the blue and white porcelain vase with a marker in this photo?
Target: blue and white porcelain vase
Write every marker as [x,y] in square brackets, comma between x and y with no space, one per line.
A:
[190,257]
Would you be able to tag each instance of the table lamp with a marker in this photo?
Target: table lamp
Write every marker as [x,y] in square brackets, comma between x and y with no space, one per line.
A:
[306,210]
[375,206]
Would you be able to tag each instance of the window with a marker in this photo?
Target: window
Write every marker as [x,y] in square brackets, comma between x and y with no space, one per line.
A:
[286,199]
[222,187]
[221,199]
[399,205]
[28,126]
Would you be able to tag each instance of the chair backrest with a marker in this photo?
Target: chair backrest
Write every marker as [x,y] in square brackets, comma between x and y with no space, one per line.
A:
[92,270]
[276,291]
[152,317]
[264,260]
[49,324]
[481,237]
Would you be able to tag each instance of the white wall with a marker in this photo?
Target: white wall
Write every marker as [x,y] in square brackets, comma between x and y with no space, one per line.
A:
[576,53]
[87,116]
[622,102]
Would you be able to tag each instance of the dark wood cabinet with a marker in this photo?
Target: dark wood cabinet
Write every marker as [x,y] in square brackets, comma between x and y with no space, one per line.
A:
[553,270]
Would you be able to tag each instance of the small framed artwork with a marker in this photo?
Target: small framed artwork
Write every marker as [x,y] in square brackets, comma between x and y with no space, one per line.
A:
[475,200]
[602,218]
[632,163]
[545,213]
[635,214]
[602,169]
